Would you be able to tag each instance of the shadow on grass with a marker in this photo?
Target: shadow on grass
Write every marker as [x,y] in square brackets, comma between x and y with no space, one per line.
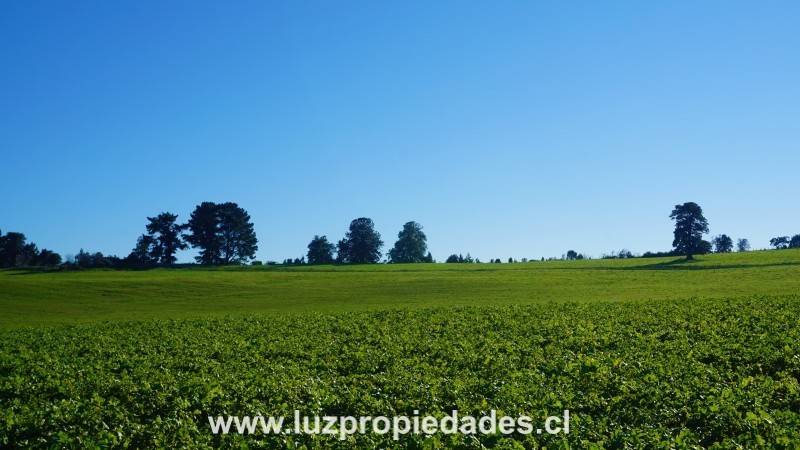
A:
[692,264]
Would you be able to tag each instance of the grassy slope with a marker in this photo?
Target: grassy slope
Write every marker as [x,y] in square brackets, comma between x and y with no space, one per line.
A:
[29,298]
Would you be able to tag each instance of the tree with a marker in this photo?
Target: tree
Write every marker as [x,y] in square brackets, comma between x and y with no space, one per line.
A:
[572,254]
[12,245]
[780,243]
[794,242]
[690,225]
[320,251]
[223,233]
[624,254]
[742,245]
[28,256]
[362,244]
[143,253]
[341,251]
[722,243]
[452,259]
[166,237]
[83,259]
[48,258]
[237,239]
[411,245]
[202,228]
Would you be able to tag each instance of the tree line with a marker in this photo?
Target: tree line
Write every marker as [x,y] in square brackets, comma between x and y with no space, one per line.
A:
[223,234]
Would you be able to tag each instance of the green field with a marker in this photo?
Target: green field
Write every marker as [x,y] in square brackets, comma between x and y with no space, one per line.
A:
[30,298]
[645,353]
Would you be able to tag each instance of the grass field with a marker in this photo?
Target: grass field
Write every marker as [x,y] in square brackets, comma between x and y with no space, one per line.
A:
[644,353]
[30,298]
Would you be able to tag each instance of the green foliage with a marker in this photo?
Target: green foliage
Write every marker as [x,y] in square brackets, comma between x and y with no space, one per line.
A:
[690,225]
[320,251]
[235,233]
[459,259]
[166,238]
[641,374]
[361,245]
[722,243]
[12,248]
[223,233]
[780,242]
[411,245]
[742,245]
[202,234]
[144,253]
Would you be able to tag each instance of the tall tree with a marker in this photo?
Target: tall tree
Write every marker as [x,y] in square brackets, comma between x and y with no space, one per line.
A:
[237,239]
[794,242]
[320,251]
[722,243]
[341,251]
[12,246]
[143,252]
[202,226]
[362,244]
[166,235]
[690,225]
[411,245]
[780,243]
[28,256]
[742,245]
[223,233]
[48,258]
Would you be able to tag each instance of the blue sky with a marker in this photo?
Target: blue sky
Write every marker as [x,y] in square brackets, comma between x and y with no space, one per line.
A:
[507,129]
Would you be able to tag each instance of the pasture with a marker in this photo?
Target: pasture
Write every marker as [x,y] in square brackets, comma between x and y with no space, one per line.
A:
[31,298]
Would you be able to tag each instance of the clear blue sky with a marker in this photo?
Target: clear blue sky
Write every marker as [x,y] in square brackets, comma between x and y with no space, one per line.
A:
[507,129]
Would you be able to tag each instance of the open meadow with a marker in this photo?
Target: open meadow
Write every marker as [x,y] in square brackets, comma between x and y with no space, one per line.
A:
[70,297]
[644,353]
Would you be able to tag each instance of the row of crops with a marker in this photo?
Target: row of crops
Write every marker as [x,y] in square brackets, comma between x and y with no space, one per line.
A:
[666,374]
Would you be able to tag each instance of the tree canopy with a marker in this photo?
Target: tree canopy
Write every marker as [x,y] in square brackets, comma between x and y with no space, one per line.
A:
[12,246]
[780,242]
[722,243]
[690,225]
[411,245]
[362,244]
[143,253]
[202,234]
[742,245]
[320,251]
[166,238]
[223,233]
[16,252]
[237,239]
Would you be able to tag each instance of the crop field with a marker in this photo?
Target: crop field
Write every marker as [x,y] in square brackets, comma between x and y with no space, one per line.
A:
[643,353]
